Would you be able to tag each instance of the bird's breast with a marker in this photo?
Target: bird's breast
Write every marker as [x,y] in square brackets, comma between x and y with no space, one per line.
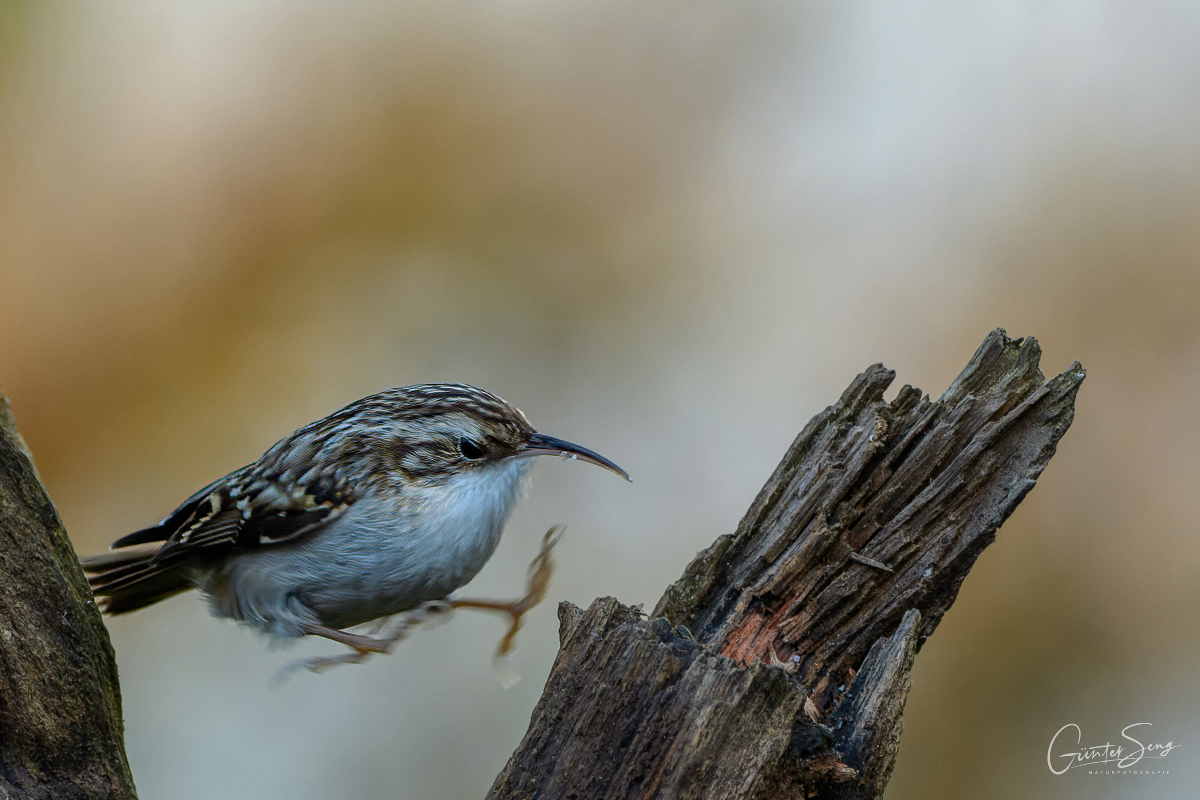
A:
[453,528]
[391,553]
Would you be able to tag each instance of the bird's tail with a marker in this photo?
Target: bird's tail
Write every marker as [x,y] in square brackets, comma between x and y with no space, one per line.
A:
[129,578]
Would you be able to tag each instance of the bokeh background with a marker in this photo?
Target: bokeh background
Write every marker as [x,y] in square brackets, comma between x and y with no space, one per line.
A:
[669,231]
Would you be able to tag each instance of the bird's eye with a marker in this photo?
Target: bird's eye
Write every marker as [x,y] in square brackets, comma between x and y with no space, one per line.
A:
[471,451]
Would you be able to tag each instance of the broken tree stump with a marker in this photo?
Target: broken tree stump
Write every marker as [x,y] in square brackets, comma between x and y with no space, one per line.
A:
[778,665]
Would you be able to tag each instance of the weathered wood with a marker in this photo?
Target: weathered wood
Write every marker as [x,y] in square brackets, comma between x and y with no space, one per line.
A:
[810,612]
[630,685]
[60,704]
[870,719]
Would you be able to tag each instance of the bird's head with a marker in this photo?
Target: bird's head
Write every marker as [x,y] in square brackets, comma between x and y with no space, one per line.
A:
[446,429]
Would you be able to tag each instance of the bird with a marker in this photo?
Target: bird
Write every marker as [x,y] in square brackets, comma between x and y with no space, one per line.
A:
[387,505]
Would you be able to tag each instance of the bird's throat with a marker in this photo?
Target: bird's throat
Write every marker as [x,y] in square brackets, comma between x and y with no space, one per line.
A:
[460,519]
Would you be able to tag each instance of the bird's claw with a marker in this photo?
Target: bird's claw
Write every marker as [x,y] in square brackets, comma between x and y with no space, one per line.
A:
[400,626]
[541,569]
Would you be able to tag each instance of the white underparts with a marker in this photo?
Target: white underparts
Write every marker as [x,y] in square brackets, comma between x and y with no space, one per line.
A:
[387,553]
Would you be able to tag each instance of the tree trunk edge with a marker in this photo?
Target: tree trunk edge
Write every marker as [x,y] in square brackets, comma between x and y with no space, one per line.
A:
[65,741]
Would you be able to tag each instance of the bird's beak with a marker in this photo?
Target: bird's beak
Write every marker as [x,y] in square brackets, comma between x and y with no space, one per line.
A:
[540,444]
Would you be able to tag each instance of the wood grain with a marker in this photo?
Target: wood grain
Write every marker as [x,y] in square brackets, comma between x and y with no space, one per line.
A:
[778,665]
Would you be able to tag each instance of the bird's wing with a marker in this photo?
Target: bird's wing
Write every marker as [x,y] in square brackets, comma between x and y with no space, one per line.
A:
[245,509]
[177,518]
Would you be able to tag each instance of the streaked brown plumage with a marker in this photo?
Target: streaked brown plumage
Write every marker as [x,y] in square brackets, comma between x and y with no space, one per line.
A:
[395,500]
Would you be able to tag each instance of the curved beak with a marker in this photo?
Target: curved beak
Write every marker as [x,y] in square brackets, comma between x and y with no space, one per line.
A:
[540,444]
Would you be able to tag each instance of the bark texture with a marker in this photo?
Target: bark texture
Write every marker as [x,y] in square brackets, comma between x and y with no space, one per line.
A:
[779,663]
[60,703]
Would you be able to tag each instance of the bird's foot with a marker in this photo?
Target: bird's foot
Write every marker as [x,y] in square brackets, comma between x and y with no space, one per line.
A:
[399,627]
[362,645]
[540,571]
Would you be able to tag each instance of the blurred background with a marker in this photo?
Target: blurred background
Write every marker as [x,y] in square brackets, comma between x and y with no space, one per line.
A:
[669,231]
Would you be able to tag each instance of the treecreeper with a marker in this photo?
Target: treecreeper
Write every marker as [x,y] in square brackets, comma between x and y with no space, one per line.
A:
[386,506]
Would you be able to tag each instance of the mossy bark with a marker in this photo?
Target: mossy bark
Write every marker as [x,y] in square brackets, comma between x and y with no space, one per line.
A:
[60,702]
